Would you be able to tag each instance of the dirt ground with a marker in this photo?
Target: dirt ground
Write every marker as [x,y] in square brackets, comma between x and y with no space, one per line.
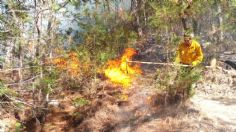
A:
[215,98]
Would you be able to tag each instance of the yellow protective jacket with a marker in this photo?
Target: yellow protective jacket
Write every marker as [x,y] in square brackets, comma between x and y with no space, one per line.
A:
[191,55]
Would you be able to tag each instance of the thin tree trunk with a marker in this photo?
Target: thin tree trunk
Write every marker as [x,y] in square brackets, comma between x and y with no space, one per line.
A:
[220,18]
[195,26]
[144,13]
[185,16]
[21,66]
[8,58]
[184,22]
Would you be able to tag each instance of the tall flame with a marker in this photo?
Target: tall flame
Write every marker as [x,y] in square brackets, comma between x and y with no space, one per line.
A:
[119,71]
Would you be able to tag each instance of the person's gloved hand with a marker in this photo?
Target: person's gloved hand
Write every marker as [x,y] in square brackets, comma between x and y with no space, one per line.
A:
[194,63]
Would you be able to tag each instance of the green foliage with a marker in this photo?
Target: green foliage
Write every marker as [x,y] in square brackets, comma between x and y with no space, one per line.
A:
[104,35]
[79,102]
[55,6]
[175,40]
[4,90]
[164,14]
[14,5]
[19,127]
[48,82]
[164,79]
[76,115]
[76,3]
[230,16]
[178,81]
[200,7]
[185,80]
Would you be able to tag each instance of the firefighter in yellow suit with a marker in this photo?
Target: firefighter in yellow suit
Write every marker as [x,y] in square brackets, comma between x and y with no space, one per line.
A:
[189,52]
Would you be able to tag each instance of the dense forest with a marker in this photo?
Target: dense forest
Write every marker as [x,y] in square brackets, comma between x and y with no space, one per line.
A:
[109,65]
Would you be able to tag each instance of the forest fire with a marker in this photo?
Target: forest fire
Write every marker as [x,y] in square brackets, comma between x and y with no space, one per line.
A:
[119,71]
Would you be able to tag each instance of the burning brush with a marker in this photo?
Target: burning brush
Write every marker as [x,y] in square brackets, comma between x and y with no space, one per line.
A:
[120,72]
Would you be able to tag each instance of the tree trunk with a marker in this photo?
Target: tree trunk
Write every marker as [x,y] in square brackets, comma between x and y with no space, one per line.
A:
[184,21]
[220,19]
[21,66]
[185,15]
[9,48]
[195,25]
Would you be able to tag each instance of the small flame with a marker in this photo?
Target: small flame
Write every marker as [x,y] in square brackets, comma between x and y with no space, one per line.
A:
[119,71]
[71,64]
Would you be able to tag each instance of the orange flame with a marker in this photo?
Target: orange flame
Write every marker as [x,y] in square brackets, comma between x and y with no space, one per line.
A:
[71,64]
[119,71]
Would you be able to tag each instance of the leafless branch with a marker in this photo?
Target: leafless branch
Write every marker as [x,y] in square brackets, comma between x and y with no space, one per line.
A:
[24,82]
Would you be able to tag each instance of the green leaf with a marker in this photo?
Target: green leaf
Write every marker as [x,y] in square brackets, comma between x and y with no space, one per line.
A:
[78,102]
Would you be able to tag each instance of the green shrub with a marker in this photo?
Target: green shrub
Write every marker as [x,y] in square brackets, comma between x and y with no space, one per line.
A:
[49,81]
[4,90]
[177,81]
[19,127]
[78,102]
